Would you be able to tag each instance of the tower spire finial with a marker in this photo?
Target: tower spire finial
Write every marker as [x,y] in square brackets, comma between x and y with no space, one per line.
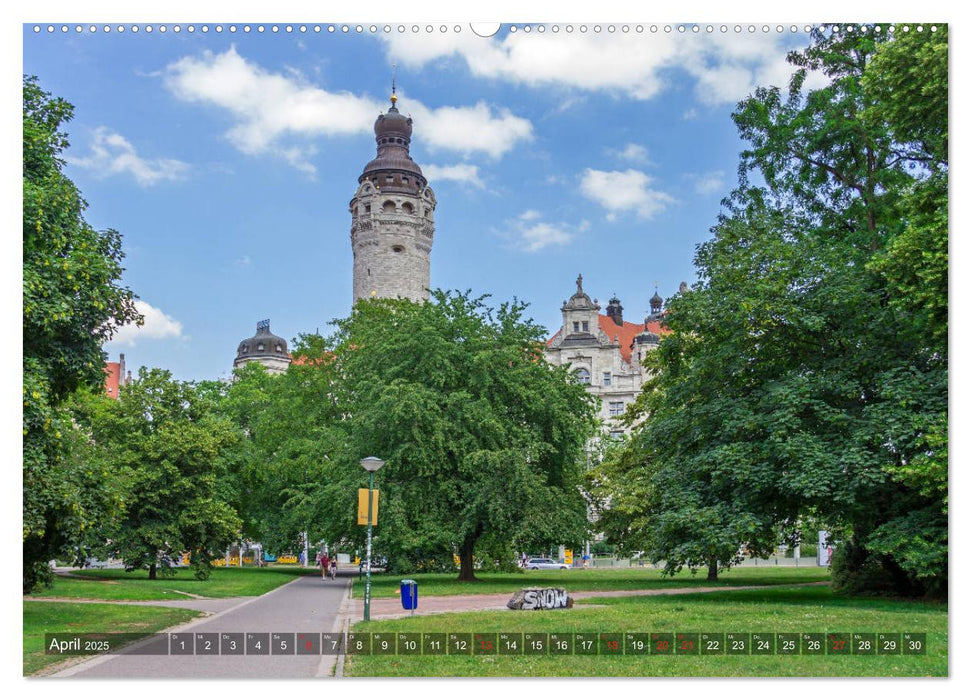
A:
[394,97]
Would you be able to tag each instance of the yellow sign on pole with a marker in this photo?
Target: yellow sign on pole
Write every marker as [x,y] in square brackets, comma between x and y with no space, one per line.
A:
[568,557]
[362,507]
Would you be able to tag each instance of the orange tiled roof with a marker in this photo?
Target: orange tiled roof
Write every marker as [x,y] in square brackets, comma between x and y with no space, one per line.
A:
[304,360]
[627,332]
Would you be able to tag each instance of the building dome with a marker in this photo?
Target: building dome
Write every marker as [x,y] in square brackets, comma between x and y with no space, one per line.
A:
[264,347]
[656,301]
[392,124]
[645,337]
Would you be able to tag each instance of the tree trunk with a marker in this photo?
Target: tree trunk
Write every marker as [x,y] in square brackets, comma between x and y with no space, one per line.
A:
[712,569]
[151,571]
[466,554]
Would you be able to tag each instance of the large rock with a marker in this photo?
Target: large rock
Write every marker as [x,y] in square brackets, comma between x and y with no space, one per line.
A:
[540,599]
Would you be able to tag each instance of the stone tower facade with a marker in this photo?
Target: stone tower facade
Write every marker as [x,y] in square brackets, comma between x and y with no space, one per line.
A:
[392,217]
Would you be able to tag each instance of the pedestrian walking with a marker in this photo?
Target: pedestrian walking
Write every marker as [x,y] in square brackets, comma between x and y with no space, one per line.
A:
[324,564]
[333,568]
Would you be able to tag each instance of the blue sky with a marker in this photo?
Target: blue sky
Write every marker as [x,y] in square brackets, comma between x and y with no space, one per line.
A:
[227,161]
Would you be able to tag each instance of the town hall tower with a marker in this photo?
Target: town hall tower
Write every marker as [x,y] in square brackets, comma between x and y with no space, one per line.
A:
[392,217]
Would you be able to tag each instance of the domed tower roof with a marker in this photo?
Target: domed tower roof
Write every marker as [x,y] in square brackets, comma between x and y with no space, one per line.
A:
[645,337]
[264,346]
[580,300]
[392,133]
[656,302]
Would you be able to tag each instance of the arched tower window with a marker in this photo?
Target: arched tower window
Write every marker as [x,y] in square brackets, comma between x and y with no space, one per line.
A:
[407,208]
[388,207]
[583,375]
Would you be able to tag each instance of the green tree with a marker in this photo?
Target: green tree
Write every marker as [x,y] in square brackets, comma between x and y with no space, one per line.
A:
[806,372]
[72,303]
[172,452]
[293,441]
[483,440]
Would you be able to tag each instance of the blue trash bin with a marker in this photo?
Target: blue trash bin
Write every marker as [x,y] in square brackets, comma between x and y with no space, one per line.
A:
[409,594]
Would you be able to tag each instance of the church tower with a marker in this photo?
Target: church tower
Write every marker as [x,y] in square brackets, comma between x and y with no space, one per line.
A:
[392,217]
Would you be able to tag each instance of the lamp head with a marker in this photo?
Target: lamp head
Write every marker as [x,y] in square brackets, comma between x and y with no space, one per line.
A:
[372,464]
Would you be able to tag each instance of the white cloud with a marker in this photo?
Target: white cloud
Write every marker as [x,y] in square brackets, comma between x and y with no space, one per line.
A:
[528,233]
[113,154]
[707,183]
[468,130]
[586,61]
[278,114]
[623,191]
[461,172]
[158,325]
[726,67]
[690,114]
[633,152]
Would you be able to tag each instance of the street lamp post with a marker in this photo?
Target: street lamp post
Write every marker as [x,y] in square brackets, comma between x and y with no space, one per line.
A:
[371,465]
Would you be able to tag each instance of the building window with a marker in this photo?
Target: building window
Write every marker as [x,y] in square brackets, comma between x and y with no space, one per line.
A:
[259,347]
[616,434]
[583,375]
[606,378]
[586,327]
[576,326]
[616,408]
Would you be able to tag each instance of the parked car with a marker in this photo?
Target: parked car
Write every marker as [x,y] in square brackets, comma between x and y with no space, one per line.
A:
[542,563]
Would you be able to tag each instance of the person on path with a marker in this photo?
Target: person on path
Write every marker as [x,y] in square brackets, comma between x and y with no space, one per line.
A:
[333,568]
[324,564]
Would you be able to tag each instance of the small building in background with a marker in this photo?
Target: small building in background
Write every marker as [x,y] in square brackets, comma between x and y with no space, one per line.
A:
[116,376]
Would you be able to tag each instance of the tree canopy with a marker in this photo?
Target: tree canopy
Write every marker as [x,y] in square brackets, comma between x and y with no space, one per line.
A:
[482,438]
[483,441]
[72,303]
[806,372]
[171,451]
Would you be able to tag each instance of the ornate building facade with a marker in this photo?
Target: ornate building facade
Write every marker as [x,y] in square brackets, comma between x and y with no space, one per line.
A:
[606,352]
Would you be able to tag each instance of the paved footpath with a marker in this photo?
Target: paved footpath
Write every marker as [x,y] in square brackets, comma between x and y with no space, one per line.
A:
[306,604]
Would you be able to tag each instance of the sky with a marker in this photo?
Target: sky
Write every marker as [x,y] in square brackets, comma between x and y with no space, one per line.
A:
[227,159]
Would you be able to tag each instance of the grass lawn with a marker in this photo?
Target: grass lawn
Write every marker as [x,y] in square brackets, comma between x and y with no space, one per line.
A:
[385,586]
[118,584]
[813,609]
[43,618]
